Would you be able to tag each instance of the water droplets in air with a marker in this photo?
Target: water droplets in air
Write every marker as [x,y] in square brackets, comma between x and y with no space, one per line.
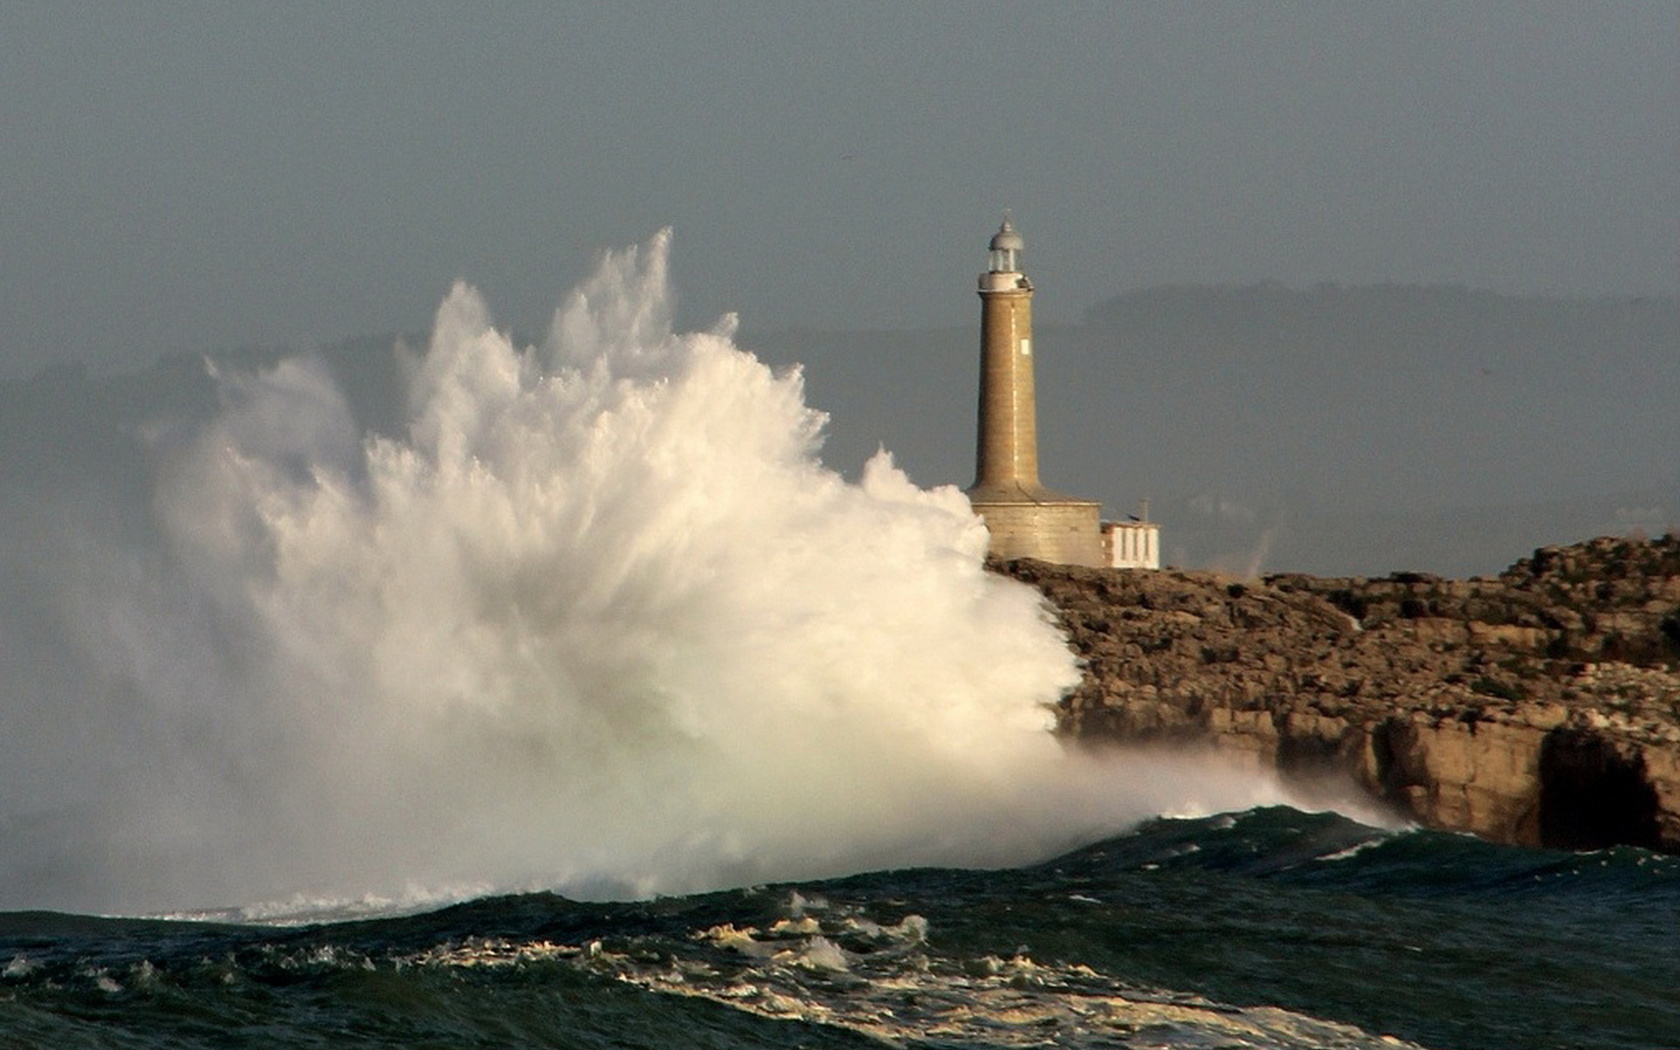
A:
[600,620]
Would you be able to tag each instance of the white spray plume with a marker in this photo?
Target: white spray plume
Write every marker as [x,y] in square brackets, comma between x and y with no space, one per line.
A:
[602,622]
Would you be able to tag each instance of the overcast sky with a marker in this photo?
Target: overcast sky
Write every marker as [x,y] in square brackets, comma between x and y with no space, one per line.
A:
[194,177]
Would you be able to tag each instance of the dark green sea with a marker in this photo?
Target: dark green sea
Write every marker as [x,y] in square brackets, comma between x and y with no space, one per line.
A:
[1268,928]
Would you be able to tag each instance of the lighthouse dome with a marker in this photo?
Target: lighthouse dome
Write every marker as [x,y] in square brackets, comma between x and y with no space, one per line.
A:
[1006,249]
[1006,239]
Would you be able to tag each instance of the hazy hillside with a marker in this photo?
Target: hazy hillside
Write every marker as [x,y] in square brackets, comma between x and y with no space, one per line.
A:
[1330,430]
[1324,430]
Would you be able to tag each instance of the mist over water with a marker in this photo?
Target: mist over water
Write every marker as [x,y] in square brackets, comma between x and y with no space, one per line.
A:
[601,621]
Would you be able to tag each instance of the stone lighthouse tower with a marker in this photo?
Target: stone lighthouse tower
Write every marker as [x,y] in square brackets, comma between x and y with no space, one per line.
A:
[1025,519]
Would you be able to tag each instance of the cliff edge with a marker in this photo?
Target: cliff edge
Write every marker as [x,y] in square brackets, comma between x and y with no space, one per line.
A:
[1541,707]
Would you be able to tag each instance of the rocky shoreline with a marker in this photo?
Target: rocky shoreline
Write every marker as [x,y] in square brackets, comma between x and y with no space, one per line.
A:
[1539,707]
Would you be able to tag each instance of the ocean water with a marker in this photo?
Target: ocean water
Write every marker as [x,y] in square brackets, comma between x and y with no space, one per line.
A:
[590,707]
[1265,928]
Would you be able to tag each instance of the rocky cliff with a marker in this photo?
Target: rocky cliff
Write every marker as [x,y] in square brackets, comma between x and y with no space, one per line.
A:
[1541,707]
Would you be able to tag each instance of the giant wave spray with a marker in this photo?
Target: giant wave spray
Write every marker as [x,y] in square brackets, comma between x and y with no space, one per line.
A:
[599,621]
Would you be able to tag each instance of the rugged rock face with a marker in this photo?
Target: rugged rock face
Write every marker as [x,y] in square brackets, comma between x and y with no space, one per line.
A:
[1538,708]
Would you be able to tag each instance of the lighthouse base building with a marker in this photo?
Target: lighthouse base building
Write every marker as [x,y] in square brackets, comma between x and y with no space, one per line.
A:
[1049,527]
[1065,530]
[1025,519]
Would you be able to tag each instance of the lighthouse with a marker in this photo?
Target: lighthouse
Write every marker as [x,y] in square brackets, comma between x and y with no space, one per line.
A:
[1025,519]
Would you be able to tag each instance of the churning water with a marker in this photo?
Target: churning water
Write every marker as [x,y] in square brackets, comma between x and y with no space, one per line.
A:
[1270,928]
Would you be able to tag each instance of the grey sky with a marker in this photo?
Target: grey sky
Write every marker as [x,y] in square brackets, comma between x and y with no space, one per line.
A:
[189,177]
